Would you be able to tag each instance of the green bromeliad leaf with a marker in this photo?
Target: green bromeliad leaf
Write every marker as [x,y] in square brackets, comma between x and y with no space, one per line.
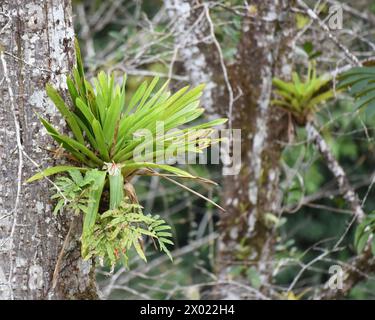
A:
[53,170]
[103,124]
[104,128]
[91,215]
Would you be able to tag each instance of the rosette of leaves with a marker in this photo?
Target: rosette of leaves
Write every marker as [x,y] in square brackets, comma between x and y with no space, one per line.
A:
[301,97]
[102,142]
[360,82]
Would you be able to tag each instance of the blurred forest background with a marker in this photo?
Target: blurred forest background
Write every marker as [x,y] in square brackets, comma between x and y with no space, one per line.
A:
[141,38]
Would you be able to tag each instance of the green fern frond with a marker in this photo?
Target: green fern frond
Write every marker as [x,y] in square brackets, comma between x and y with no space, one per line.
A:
[124,228]
[72,193]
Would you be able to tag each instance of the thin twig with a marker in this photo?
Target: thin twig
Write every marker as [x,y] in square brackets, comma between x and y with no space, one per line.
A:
[346,189]
[223,66]
[325,28]
[20,165]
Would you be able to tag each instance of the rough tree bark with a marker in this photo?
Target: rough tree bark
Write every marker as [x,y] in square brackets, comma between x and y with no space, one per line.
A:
[36,47]
[195,47]
[264,51]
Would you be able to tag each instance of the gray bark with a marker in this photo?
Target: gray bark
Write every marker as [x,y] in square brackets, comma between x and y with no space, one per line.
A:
[346,189]
[36,47]
[195,47]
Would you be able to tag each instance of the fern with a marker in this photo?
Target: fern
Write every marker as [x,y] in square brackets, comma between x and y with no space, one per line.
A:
[72,193]
[121,229]
[159,229]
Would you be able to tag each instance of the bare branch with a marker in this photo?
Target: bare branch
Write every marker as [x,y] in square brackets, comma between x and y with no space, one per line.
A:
[344,185]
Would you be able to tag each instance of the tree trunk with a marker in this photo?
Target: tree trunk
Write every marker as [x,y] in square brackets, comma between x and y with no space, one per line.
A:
[246,238]
[36,47]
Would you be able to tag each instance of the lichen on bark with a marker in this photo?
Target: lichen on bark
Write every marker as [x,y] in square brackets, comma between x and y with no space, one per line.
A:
[38,47]
[264,51]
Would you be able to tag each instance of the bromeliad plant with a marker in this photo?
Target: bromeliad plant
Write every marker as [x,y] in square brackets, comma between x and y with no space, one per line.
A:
[103,142]
[302,97]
